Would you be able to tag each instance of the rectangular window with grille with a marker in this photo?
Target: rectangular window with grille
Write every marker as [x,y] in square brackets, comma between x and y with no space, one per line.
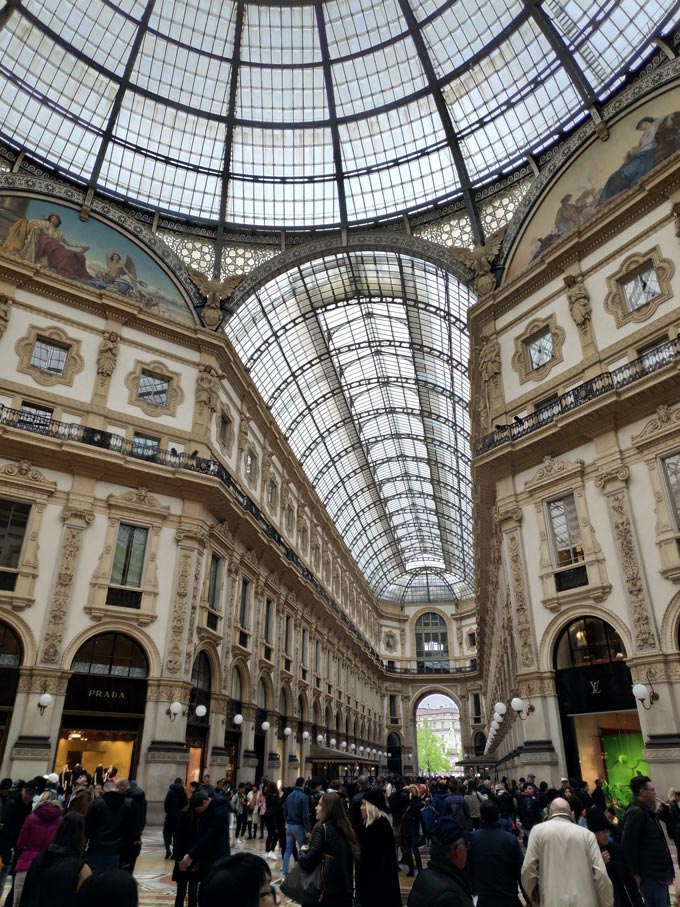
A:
[288,636]
[671,472]
[49,356]
[565,533]
[214,584]
[153,389]
[641,288]
[268,619]
[13,522]
[128,560]
[245,603]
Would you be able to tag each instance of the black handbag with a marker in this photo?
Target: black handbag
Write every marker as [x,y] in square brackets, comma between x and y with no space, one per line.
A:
[304,886]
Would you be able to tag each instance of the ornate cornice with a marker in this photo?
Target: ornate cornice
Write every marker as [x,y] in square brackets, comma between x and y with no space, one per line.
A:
[665,423]
[555,470]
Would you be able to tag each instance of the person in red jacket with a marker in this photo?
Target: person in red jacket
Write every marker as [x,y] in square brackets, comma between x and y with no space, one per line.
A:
[37,832]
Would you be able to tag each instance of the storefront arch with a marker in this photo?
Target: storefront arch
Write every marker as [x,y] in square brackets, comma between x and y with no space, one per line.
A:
[598,713]
[558,623]
[109,626]
[103,716]
[670,627]
[11,658]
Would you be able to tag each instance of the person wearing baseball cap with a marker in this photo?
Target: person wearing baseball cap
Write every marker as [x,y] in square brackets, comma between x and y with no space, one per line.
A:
[444,881]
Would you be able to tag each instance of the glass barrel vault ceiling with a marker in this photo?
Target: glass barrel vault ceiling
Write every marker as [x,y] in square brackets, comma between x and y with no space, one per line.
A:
[269,114]
[361,358]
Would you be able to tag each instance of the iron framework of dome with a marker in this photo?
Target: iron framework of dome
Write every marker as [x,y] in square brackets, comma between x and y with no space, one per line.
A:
[361,358]
[298,115]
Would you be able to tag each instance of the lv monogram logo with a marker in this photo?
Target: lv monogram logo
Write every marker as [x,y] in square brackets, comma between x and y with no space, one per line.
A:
[594,687]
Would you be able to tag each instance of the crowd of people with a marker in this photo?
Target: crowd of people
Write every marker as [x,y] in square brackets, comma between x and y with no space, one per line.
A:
[70,845]
[504,842]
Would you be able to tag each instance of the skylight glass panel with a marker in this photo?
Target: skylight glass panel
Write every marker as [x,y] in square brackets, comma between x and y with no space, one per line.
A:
[356,27]
[461,30]
[204,25]
[182,75]
[275,35]
[280,95]
[364,83]
[89,26]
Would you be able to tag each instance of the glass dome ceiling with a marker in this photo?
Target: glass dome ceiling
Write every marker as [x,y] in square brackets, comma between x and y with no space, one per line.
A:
[361,357]
[301,115]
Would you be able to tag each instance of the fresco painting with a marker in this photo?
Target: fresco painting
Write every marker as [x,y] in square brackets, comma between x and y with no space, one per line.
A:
[52,236]
[637,143]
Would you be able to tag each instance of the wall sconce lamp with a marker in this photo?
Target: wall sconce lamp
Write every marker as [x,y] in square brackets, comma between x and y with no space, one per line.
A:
[352,746]
[238,720]
[333,741]
[174,709]
[517,706]
[319,739]
[46,699]
[265,726]
[287,731]
[344,744]
[641,692]
[305,736]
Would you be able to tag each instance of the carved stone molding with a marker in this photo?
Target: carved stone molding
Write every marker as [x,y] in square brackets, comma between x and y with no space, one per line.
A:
[173,661]
[43,680]
[107,356]
[643,632]
[5,309]
[554,470]
[163,690]
[512,514]
[24,475]
[75,523]
[520,359]
[665,423]
[537,685]
[527,653]
[73,363]
[174,394]
[616,474]
[615,301]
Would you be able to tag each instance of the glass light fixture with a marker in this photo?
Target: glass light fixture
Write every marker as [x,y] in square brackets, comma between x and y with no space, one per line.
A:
[305,735]
[46,699]
[333,741]
[201,711]
[174,710]
[265,726]
[500,708]
[319,738]
[287,731]
[238,719]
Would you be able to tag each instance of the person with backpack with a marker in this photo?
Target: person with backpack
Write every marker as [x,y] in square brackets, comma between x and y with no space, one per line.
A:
[456,807]
[239,807]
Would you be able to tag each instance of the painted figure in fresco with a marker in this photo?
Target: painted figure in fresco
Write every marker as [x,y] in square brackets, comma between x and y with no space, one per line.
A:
[41,242]
[122,276]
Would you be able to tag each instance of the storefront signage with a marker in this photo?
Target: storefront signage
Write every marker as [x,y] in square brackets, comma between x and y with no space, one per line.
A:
[88,693]
[595,688]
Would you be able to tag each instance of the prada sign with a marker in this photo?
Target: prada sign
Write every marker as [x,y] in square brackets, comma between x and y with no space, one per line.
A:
[94,693]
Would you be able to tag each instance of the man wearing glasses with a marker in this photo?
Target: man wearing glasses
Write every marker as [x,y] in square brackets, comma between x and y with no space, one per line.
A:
[444,881]
[644,842]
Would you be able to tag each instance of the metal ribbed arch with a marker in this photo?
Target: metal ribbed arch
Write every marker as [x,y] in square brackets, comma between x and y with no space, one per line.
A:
[374,409]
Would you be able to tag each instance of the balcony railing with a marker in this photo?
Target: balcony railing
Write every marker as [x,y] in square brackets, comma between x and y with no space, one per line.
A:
[649,362]
[441,667]
[94,437]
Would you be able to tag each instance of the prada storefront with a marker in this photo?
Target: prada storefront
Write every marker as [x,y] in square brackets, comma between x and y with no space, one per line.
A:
[104,708]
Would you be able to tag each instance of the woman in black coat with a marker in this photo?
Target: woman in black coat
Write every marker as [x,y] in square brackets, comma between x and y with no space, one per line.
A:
[333,841]
[377,872]
[58,871]
[410,831]
[271,799]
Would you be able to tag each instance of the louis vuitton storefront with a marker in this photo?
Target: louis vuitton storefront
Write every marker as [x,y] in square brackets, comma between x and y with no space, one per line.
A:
[104,709]
[600,723]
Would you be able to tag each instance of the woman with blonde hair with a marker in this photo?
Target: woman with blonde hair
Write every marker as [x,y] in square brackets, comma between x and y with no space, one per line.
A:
[333,841]
[378,871]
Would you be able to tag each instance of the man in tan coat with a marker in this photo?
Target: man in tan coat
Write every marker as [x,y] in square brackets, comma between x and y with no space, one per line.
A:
[563,866]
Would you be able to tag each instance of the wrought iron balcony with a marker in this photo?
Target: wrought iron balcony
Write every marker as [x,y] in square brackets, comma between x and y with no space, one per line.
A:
[649,362]
[434,667]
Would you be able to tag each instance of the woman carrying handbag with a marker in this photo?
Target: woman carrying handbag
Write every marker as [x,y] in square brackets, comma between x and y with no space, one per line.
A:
[334,848]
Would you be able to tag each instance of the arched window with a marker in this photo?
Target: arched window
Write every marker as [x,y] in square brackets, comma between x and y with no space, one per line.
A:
[201,675]
[113,654]
[588,641]
[479,741]
[10,648]
[236,687]
[432,641]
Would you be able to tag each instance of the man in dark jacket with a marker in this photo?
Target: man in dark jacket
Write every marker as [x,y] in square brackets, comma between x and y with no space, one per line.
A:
[175,801]
[494,861]
[134,794]
[644,843]
[204,849]
[626,891]
[110,830]
[598,795]
[16,807]
[444,883]
[296,814]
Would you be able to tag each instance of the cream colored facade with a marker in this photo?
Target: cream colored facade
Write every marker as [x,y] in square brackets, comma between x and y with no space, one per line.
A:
[331,656]
[602,445]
